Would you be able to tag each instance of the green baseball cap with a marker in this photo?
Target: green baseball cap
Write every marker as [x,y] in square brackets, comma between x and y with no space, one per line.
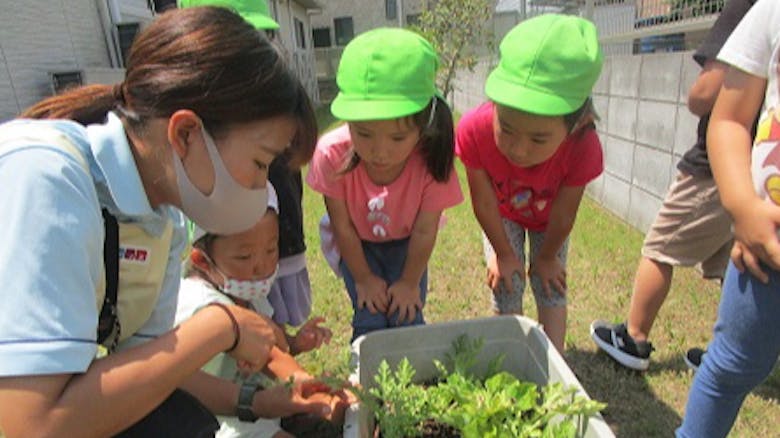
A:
[548,65]
[254,11]
[385,73]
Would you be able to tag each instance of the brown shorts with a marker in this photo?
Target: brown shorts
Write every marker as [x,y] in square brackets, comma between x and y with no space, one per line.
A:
[691,227]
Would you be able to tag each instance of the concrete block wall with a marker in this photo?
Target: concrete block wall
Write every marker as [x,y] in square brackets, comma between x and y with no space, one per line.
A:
[645,127]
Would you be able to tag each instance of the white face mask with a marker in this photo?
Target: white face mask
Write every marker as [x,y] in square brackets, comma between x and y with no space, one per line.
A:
[253,291]
[230,208]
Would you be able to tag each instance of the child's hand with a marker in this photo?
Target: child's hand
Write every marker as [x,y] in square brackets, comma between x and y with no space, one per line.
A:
[551,272]
[755,227]
[743,258]
[311,336]
[372,294]
[405,298]
[501,269]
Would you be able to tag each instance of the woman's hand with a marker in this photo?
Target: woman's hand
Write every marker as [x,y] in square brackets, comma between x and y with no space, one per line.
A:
[501,269]
[551,272]
[310,336]
[282,400]
[405,298]
[257,335]
[372,294]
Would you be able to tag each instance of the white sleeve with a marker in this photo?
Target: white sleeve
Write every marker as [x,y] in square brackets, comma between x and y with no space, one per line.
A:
[750,46]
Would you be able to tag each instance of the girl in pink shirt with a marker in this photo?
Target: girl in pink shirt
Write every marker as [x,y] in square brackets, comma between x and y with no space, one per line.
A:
[386,175]
[529,154]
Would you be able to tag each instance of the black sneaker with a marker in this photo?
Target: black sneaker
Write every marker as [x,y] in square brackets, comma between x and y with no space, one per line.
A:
[693,358]
[619,345]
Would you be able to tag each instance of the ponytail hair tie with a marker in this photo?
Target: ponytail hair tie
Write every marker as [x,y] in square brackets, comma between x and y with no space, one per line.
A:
[118,92]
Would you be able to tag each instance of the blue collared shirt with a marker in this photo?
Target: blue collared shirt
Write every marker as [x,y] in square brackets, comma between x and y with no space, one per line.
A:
[51,243]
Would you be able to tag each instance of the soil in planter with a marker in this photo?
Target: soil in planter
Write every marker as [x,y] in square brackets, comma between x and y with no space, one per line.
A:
[310,426]
[433,429]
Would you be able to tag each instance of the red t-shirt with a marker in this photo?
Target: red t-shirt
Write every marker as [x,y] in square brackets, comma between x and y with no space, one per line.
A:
[525,194]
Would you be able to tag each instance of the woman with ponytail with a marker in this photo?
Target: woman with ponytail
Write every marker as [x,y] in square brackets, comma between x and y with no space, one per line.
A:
[205,106]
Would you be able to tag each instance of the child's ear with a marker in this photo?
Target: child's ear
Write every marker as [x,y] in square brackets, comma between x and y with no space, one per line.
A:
[199,259]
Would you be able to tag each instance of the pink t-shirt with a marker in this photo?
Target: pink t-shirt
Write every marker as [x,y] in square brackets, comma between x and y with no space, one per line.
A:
[525,194]
[379,212]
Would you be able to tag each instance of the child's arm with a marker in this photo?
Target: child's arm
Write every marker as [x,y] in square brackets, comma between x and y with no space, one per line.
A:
[371,290]
[729,147]
[563,212]
[704,90]
[485,206]
[405,292]
[283,366]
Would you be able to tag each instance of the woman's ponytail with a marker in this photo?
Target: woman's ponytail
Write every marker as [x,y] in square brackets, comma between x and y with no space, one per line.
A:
[86,105]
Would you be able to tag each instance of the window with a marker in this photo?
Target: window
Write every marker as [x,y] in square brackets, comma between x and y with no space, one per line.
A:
[413,19]
[63,80]
[126,33]
[321,37]
[345,30]
[391,9]
[300,35]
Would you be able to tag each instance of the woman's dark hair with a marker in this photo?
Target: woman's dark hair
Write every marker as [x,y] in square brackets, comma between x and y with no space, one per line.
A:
[205,59]
[437,139]
[571,119]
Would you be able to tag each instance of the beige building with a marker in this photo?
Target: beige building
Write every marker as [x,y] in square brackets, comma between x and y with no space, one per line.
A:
[45,45]
[295,34]
[340,20]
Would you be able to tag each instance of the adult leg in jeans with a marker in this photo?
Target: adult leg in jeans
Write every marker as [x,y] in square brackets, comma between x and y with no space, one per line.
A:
[741,355]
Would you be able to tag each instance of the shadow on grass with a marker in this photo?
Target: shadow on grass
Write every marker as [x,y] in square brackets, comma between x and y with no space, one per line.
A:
[633,410]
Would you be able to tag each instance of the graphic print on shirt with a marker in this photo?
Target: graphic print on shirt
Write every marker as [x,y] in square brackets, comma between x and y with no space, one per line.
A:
[377,218]
[766,158]
[515,196]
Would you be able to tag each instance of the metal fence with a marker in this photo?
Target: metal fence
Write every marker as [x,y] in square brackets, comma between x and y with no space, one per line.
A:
[649,26]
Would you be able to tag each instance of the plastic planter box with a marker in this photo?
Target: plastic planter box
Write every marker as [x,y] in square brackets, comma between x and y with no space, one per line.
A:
[529,355]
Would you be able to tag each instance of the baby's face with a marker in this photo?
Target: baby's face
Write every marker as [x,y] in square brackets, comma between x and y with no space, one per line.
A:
[251,255]
[527,139]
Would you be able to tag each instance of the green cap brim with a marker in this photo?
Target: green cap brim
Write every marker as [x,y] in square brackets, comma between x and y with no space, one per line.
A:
[260,21]
[506,91]
[351,109]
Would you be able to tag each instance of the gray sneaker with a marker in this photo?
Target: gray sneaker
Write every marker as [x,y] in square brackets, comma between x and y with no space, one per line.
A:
[620,346]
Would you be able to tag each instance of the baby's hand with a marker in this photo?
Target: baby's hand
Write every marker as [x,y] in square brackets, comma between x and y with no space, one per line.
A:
[311,335]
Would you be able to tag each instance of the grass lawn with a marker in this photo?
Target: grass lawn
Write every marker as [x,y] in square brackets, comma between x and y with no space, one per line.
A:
[603,255]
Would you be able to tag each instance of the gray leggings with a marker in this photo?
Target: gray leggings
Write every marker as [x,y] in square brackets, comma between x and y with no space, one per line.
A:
[512,301]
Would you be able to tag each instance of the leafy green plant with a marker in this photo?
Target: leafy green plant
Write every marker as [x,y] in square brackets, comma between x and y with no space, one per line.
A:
[497,405]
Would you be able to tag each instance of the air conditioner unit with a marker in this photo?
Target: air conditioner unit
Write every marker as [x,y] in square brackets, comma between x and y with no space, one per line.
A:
[62,80]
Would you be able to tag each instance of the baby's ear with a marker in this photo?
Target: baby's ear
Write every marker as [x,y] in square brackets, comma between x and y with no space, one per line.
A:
[199,259]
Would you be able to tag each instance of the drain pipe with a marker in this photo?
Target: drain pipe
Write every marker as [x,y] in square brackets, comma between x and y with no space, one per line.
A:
[107,25]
